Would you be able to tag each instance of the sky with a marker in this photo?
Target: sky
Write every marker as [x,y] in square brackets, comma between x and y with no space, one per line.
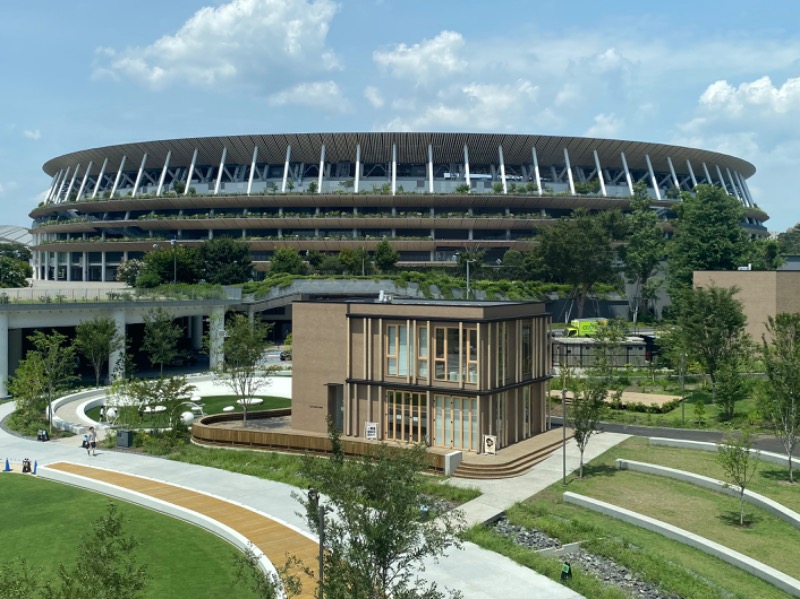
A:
[721,76]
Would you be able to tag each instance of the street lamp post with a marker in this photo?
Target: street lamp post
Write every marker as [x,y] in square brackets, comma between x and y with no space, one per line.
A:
[683,389]
[564,435]
[468,262]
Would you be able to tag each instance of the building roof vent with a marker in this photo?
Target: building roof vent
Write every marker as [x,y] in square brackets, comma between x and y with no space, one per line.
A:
[384,298]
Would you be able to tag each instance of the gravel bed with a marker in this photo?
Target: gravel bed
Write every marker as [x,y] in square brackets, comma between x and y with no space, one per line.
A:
[605,569]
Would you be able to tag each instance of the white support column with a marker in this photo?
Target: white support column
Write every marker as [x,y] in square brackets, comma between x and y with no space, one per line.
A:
[466,168]
[139,175]
[163,174]
[119,176]
[85,267]
[709,180]
[672,172]
[216,335]
[62,185]
[4,355]
[536,170]
[85,178]
[190,174]
[600,174]
[430,168]
[321,168]
[721,178]
[358,168]
[734,187]
[691,174]
[502,169]
[102,267]
[653,180]
[221,169]
[394,168]
[627,172]
[100,178]
[71,183]
[286,168]
[569,172]
[745,190]
[252,170]
[53,183]
[116,358]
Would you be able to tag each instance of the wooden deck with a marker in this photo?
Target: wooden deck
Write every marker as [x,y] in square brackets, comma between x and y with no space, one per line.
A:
[275,540]
[513,460]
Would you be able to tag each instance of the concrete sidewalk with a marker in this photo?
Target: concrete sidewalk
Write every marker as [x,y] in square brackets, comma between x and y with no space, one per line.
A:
[477,573]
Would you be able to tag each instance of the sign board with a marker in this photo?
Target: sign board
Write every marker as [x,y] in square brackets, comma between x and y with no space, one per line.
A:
[371,431]
[489,444]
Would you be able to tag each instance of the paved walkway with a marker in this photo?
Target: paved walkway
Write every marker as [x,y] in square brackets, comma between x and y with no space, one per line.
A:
[477,573]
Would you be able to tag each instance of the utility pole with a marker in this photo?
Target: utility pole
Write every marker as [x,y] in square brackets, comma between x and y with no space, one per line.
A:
[564,435]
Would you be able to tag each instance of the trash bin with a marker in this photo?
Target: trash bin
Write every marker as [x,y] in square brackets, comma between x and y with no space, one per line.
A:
[124,438]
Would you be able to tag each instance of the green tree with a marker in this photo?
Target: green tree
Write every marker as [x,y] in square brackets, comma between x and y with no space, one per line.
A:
[265,585]
[710,325]
[330,265]
[243,369]
[96,340]
[16,251]
[225,261]
[763,254]
[577,251]
[789,241]
[513,266]
[287,261]
[167,261]
[53,359]
[386,256]
[355,260]
[171,392]
[708,235]
[13,272]
[161,337]
[375,537]
[732,386]
[735,456]
[779,401]
[128,272]
[27,385]
[315,258]
[643,250]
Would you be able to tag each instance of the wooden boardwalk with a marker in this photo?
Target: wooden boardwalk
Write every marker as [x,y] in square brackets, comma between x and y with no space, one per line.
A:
[274,539]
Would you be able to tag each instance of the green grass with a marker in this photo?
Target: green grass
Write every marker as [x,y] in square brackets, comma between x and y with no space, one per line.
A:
[652,556]
[45,522]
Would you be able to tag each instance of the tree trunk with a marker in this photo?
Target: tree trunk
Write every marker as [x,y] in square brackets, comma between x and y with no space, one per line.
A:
[791,473]
[580,472]
[741,507]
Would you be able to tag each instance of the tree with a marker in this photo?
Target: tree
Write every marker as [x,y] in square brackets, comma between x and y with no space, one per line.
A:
[740,465]
[789,241]
[779,401]
[28,388]
[96,340]
[106,565]
[577,251]
[708,235]
[265,585]
[225,261]
[52,359]
[330,265]
[386,256]
[128,272]
[16,251]
[375,537]
[161,337]
[243,369]
[169,261]
[764,254]
[731,385]
[644,249]
[287,261]
[170,392]
[13,272]
[355,260]
[710,325]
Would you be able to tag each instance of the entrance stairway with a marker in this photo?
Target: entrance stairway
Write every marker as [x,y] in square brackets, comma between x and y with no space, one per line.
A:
[511,461]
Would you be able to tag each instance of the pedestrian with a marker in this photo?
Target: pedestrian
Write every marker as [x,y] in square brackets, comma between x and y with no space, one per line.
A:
[90,449]
[102,413]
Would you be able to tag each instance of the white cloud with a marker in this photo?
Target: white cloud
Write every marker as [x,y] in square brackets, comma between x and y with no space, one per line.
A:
[373,96]
[760,94]
[33,134]
[324,95]
[605,125]
[425,61]
[241,39]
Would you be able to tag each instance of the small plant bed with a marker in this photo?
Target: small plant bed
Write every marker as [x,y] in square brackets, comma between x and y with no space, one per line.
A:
[51,519]
[453,496]
[30,428]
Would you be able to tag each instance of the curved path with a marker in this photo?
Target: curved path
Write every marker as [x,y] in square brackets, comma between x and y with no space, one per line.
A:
[477,573]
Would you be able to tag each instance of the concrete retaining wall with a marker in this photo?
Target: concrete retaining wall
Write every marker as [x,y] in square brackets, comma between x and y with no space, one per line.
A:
[767,456]
[771,575]
[765,503]
[209,524]
[91,397]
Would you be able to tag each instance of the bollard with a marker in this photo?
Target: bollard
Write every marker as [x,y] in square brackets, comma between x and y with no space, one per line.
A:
[35,465]
[8,466]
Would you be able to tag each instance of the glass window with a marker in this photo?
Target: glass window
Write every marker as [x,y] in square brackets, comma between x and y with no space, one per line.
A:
[397,350]
[527,350]
[422,353]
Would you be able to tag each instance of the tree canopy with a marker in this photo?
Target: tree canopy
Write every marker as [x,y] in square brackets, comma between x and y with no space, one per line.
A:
[287,260]
[225,261]
[386,256]
[96,340]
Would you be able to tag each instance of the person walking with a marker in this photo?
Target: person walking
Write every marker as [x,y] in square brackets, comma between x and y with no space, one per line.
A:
[90,448]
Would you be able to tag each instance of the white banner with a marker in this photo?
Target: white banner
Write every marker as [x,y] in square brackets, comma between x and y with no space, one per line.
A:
[371,431]
[489,444]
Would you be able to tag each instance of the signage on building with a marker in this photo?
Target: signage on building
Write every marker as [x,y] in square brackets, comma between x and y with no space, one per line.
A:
[489,444]
[371,431]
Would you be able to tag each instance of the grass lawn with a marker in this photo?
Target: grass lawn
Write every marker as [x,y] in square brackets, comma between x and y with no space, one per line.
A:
[650,555]
[47,521]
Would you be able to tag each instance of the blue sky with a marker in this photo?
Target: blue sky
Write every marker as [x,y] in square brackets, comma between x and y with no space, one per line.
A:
[86,73]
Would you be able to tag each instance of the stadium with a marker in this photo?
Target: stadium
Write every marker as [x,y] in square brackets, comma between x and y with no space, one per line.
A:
[429,194]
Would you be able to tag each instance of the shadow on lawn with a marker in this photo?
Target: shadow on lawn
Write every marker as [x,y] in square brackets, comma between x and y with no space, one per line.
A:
[732,519]
[778,474]
[597,470]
